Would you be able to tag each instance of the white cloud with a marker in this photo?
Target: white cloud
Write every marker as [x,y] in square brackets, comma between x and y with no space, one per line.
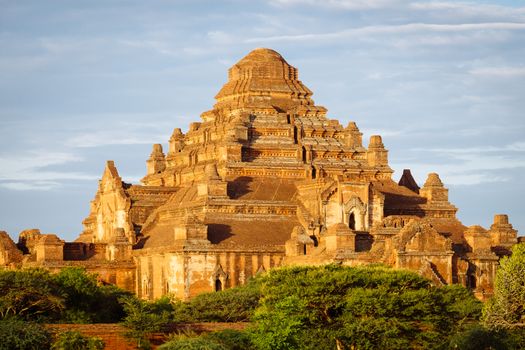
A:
[27,171]
[392,29]
[469,165]
[340,4]
[30,186]
[469,9]
[158,130]
[113,137]
[502,72]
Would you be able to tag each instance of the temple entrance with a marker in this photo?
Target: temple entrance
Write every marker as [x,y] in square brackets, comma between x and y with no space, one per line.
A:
[218,285]
[351,221]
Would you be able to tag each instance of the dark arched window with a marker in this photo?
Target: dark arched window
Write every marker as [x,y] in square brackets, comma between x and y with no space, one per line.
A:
[218,285]
[351,221]
[472,281]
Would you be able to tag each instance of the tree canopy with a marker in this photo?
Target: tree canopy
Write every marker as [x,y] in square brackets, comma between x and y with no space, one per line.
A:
[507,307]
[71,296]
[358,308]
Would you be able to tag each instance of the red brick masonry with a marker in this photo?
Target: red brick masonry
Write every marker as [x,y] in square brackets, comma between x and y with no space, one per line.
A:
[113,334]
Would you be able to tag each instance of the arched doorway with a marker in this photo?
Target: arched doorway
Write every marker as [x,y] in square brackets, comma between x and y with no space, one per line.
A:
[218,285]
[351,221]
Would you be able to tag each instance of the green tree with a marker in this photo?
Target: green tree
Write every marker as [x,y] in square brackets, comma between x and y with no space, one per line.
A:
[480,338]
[231,305]
[506,309]
[141,321]
[30,294]
[72,296]
[85,297]
[22,335]
[74,340]
[360,308]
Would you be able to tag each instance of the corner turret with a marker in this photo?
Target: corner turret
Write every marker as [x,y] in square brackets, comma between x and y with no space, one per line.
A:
[377,155]
[157,161]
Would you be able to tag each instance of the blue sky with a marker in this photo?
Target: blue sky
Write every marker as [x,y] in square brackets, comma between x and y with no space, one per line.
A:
[86,81]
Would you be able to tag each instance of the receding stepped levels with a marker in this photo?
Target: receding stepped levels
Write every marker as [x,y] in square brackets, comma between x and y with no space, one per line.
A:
[265,179]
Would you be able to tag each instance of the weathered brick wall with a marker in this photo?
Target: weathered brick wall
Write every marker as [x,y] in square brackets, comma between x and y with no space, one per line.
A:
[113,334]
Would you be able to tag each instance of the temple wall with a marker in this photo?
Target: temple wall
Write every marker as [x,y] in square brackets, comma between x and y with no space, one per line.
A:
[185,274]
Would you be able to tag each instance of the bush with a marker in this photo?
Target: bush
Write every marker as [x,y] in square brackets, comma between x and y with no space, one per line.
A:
[231,305]
[21,335]
[192,344]
[369,307]
[71,296]
[73,340]
[231,339]
[85,298]
[30,294]
[141,321]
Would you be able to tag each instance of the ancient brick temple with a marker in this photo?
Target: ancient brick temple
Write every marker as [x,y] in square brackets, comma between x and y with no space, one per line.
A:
[265,179]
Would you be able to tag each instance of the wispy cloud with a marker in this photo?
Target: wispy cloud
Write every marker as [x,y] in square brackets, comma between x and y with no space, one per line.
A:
[29,171]
[101,138]
[340,4]
[502,72]
[121,132]
[469,165]
[469,9]
[392,29]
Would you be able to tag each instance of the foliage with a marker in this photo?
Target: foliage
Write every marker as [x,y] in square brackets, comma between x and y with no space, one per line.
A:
[480,338]
[141,321]
[23,335]
[74,340]
[506,310]
[231,339]
[227,339]
[30,294]
[231,305]
[85,298]
[362,308]
[71,296]
[198,343]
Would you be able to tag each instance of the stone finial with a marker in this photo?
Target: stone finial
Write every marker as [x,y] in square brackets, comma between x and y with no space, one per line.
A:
[177,134]
[501,219]
[353,137]
[157,151]
[433,180]
[157,161]
[352,126]
[176,144]
[376,142]
[408,181]
[502,232]
[434,190]
[377,155]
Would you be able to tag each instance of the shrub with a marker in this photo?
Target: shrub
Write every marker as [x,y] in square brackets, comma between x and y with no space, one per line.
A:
[141,321]
[231,305]
[74,340]
[22,335]
[199,343]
